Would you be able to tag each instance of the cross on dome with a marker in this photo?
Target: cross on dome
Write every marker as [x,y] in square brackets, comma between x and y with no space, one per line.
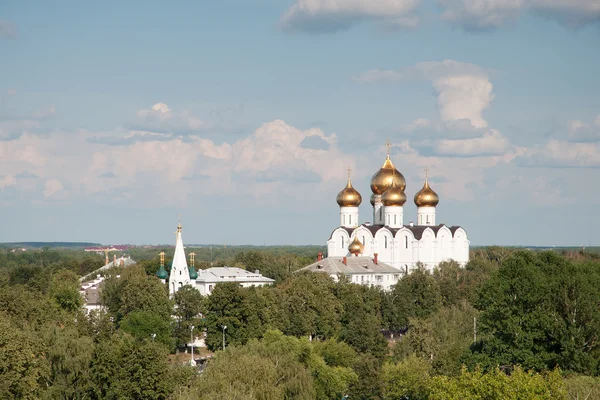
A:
[349,170]
[388,144]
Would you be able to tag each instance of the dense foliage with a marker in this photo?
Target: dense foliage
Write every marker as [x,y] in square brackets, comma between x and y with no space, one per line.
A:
[512,324]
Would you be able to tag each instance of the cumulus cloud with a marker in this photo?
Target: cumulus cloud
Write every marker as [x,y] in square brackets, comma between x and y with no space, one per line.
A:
[161,119]
[52,187]
[562,154]
[320,16]
[463,90]
[492,14]
[492,143]
[583,132]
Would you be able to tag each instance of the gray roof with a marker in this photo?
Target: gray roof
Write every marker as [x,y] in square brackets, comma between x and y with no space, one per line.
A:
[226,274]
[354,265]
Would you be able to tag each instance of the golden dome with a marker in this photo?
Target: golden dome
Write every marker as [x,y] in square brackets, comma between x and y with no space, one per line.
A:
[382,180]
[426,197]
[393,196]
[356,247]
[349,197]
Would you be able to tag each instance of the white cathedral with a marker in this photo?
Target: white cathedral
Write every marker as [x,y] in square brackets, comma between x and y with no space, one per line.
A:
[387,238]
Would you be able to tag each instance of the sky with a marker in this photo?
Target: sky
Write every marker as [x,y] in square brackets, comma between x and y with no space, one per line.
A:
[242,116]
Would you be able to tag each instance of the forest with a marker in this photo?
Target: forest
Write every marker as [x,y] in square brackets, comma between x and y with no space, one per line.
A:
[511,324]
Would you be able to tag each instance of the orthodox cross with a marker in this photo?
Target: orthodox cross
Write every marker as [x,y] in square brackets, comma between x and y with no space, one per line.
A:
[349,169]
[162,258]
[388,144]
[426,173]
[192,258]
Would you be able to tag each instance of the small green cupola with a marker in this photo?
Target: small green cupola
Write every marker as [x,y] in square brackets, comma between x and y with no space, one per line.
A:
[193,273]
[162,272]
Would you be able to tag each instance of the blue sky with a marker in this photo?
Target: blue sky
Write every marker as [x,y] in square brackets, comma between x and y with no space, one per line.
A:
[242,116]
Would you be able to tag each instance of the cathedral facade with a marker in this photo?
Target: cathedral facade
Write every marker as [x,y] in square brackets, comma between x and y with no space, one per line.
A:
[397,244]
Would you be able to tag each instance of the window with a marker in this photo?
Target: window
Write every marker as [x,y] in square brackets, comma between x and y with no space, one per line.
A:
[179,272]
[394,219]
[406,241]
[395,277]
[210,288]
[380,215]
[427,219]
[379,278]
[362,279]
[342,242]
[363,240]
[385,240]
[349,219]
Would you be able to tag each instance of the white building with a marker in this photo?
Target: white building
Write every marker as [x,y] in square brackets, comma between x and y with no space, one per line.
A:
[208,278]
[205,280]
[360,270]
[397,244]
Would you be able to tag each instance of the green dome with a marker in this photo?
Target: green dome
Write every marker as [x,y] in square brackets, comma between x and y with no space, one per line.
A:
[162,273]
[193,273]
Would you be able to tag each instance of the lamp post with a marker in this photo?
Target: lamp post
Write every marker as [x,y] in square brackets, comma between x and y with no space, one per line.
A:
[192,344]
[153,336]
[224,327]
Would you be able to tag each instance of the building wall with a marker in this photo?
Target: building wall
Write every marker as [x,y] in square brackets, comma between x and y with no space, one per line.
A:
[403,250]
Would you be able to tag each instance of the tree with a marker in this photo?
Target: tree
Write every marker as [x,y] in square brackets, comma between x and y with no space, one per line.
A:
[133,290]
[23,368]
[69,355]
[64,290]
[144,325]
[408,379]
[308,306]
[440,339]
[415,295]
[126,368]
[189,304]
[230,305]
[361,319]
[496,385]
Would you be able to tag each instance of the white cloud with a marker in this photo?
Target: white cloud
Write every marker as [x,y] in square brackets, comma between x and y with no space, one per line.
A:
[7,180]
[583,132]
[334,15]
[463,90]
[161,119]
[492,14]
[52,187]
[492,143]
[562,154]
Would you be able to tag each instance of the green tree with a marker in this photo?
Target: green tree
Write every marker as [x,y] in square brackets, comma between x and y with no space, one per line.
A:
[23,368]
[189,304]
[69,355]
[415,295]
[408,379]
[64,290]
[230,305]
[124,368]
[144,325]
[496,385]
[308,306]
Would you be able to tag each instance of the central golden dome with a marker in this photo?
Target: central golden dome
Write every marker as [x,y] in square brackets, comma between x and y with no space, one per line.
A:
[393,196]
[426,197]
[356,247]
[349,197]
[382,180]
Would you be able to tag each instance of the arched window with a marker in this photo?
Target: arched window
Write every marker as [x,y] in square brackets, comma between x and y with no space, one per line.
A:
[363,240]
[406,241]
[342,242]
[385,240]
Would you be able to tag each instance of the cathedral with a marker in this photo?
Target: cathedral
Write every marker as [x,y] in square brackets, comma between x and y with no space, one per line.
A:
[388,238]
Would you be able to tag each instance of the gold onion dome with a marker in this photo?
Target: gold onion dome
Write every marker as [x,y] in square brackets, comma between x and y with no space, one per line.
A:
[426,197]
[349,197]
[382,180]
[356,247]
[393,196]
